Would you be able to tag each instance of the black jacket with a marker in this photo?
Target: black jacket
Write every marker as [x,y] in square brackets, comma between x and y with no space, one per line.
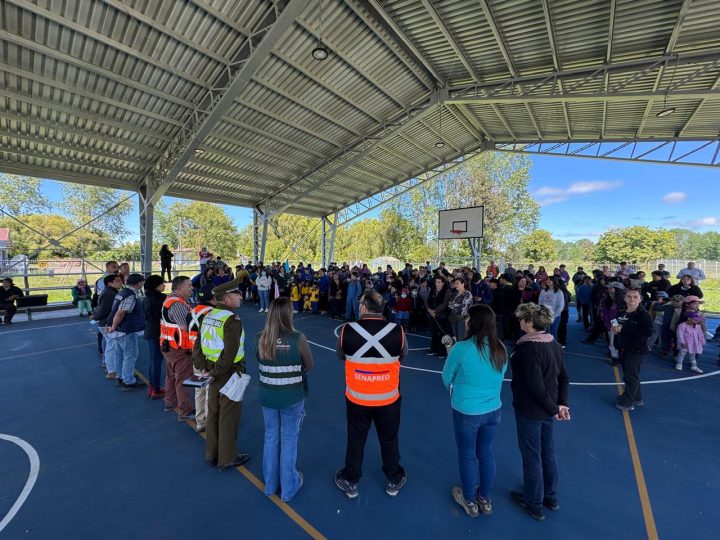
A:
[105,303]
[637,327]
[152,306]
[693,290]
[539,379]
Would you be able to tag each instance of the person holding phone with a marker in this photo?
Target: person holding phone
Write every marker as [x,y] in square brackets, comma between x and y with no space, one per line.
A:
[540,395]
[632,327]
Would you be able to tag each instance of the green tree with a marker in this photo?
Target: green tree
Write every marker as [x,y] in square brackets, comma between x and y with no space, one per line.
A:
[495,180]
[106,208]
[27,239]
[22,195]
[200,224]
[634,244]
[539,246]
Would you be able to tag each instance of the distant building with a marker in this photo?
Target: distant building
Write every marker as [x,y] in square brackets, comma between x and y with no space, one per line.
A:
[5,245]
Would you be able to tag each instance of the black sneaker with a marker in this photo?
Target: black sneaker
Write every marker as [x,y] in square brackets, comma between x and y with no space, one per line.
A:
[119,381]
[393,488]
[624,406]
[639,403]
[349,488]
[551,504]
[471,508]
[239,460]
[519,499]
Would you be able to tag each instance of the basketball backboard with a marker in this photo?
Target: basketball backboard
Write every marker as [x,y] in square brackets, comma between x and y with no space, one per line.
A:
[460,223]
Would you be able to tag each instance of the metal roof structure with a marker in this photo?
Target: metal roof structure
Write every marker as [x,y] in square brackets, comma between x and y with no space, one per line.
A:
[222,100]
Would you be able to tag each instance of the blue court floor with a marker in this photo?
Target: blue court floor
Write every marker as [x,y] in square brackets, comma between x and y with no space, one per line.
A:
[112,465]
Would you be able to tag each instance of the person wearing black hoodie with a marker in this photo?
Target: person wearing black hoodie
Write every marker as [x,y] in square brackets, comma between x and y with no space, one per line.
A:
[111,285]
[634,328]
[686,287]
[152,306]
[540,395]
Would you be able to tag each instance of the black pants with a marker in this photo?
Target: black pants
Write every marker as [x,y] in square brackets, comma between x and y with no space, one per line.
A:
[438,328]
[336,307]
[166,268]
[387,425]
[631,376]
[562,327]
[10,310]
[584,314]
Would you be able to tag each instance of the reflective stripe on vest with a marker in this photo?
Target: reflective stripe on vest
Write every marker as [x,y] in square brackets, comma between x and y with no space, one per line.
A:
[194,327]
[212,334]
[280,381]
[371,380]
[176,337]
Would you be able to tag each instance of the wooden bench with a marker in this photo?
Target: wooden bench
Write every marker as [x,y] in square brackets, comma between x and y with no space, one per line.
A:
[32,302]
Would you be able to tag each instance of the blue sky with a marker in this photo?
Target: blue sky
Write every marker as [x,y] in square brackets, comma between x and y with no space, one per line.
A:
[581,198]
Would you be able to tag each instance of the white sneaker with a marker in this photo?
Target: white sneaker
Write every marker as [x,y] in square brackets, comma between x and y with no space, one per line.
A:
[678,367]
[696,369]
[260,310]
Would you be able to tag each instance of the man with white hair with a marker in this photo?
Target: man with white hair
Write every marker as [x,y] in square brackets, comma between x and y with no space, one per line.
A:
[696,273]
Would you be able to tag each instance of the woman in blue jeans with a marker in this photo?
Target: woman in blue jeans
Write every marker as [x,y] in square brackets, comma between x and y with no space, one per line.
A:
[474,373]
[284,359]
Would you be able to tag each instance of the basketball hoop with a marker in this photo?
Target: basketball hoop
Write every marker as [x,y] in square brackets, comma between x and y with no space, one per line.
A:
[457,232]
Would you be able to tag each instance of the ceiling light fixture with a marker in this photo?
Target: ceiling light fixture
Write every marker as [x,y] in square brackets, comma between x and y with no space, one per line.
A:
[199,151]
[667,111]
[320,52]
[441,142]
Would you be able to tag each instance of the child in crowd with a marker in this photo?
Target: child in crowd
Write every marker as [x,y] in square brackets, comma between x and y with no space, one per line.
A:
[82,294]
[690,341]
[657,312]
[295,296]
[403,308]
[307,304]
[692,305]
[671,314]
[315,298]
[305,289]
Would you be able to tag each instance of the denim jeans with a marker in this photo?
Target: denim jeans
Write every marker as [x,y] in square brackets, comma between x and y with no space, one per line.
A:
[352,310]
[282,431]
[264,298]
[554,326]
[155,361]
[459,328]
[126,354]
[474,434]
[537,448]
[110,355]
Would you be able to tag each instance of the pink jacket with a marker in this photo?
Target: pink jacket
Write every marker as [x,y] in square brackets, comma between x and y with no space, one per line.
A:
[690,338]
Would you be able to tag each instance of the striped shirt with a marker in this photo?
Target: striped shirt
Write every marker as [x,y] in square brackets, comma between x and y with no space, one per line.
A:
[178,312]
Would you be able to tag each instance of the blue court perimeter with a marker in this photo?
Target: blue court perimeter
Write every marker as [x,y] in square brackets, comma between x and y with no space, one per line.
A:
[113,465]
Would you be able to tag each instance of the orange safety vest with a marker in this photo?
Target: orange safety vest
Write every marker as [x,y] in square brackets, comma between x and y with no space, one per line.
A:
[372,381]
[176,337]
[197,315]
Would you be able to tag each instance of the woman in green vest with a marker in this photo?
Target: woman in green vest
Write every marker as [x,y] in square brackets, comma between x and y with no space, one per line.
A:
[284,359]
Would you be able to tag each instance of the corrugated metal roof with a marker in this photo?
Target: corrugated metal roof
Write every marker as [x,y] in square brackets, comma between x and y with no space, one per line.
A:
[112,92]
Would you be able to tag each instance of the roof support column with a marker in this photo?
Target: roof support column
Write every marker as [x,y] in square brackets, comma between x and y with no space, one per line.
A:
[147,215]
[260,229]
[333,230]
[323,243]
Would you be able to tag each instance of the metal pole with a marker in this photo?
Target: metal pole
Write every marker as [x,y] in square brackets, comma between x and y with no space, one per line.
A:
[333,229]
[256,243]
[146,231]
[263,240]
[323,242]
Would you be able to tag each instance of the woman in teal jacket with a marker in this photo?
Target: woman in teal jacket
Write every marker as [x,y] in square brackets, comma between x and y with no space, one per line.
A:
[474,373]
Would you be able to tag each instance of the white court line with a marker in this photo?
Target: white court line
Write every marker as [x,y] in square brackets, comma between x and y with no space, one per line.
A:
[49,351]
[711,374]
[29,484]
[38,328]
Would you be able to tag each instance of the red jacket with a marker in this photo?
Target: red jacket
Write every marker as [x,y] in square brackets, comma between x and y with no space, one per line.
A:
[403,304]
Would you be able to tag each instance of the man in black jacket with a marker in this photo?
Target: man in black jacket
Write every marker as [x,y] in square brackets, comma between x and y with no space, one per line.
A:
[8,294]
[111,285]
[634,328]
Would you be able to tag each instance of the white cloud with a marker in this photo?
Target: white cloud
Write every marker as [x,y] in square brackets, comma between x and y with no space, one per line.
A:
[580,235]
[674,197]
[695,223]
[552,195]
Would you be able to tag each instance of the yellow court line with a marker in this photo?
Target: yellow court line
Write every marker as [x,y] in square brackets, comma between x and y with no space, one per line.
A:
[639,476]
[254,480]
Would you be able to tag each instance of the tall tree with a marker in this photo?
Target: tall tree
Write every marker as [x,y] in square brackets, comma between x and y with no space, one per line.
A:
[22,195]
[539,246]
[106,208]
[198,224]
[495,180]
[634,244]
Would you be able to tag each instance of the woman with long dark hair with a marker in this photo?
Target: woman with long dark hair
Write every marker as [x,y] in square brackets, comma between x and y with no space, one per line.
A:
[284,358]
[152,306]
[437,309]
[474,373]
[166,257]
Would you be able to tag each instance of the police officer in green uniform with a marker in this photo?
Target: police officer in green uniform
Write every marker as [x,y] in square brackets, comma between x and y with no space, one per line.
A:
[220,351]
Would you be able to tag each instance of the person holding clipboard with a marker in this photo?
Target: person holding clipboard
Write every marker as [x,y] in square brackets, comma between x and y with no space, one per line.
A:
[220,353]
